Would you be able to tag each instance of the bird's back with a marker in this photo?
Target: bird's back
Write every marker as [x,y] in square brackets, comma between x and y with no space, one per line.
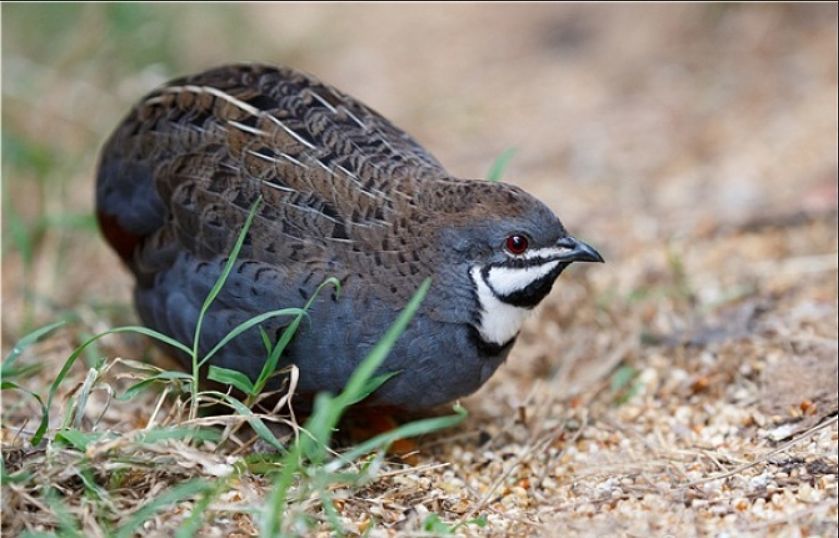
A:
[187,163]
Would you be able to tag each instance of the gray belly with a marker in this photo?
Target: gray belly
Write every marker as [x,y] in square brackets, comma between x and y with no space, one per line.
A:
[436,362]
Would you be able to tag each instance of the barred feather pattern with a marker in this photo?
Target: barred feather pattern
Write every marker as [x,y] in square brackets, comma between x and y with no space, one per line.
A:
[345,192]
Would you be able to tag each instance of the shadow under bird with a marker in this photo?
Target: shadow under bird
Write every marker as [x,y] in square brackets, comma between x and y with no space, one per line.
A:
[346,194]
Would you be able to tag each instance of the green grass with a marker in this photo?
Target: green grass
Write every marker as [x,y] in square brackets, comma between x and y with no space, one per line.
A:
[496,171]
[306,468]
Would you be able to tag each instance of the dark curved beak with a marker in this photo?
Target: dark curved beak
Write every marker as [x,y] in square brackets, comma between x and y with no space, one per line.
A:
[577,251]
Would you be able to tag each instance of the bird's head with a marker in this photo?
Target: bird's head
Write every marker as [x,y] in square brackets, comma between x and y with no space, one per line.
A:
[511,246]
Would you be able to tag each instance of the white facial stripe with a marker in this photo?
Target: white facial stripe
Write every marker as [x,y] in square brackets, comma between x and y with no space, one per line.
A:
[507,280]
[547,252]
[499,321]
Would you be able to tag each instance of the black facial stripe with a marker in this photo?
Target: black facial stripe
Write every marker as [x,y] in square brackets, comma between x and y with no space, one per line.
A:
[513,263]
[519,263]
[489,349]
[530,296]
[478,312]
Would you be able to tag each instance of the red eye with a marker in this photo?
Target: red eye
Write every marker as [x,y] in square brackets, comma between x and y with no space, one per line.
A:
[516,244]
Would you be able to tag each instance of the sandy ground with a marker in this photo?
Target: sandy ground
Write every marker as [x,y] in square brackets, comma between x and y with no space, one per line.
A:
[687,387]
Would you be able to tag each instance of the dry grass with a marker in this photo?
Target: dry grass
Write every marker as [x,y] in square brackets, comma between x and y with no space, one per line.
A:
[687,387]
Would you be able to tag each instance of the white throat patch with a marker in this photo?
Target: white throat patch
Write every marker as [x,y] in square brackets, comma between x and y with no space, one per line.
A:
[499,321]
[507,280]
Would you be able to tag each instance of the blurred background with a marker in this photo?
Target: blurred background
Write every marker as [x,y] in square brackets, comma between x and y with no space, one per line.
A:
[694,145]
[659,133]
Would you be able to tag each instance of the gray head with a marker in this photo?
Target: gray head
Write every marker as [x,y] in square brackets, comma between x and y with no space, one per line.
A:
[505,245]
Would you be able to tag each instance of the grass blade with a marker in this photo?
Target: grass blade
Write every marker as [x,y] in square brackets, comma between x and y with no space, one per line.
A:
[372,384]
[65,369]
[255,422]
[162,377]
[244,326]
[42,426]
[274,357]
[157,435]
[328,409]
[228,266]
[68,525]
[496,171]
[25,342]
[361,375]
[174,495]
[412,429]
[277,503]
[234,378]
[77,439]
[196,519]
[216,289]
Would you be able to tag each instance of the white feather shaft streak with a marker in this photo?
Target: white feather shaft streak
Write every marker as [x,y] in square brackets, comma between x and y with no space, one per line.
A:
[285,157]
[247,128]
[322,101]
[290,132]
[250,109]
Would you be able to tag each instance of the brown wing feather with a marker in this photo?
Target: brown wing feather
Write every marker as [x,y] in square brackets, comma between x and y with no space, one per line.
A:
[333,174]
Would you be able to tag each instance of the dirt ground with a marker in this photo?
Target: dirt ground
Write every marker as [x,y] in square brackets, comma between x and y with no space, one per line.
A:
[687,387]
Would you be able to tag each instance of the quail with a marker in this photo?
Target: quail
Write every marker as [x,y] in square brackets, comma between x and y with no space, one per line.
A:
[344,194]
